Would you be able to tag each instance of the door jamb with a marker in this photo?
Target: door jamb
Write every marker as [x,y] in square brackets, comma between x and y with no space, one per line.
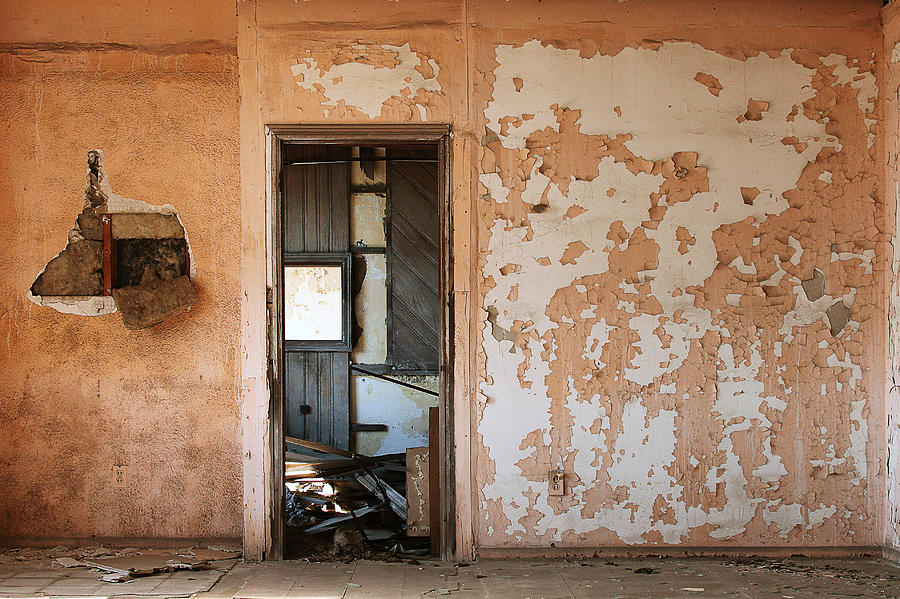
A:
[362,134]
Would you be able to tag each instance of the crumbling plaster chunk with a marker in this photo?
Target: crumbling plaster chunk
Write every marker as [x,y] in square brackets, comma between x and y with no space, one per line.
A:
[72,282]
[143,306]
[366,86]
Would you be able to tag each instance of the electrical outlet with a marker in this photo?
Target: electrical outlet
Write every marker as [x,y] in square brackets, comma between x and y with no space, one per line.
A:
[119,479]
[557,482]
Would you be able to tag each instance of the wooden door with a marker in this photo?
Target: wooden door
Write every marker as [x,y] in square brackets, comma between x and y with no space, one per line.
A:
[414,263]
[316,226]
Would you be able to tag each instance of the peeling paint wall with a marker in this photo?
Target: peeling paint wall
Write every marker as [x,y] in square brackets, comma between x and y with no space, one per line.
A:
[679,241]
[403,410]
[683,241]
[156,88]
[891,124]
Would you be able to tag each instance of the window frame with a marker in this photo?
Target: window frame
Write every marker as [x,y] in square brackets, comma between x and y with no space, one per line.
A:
[342,259]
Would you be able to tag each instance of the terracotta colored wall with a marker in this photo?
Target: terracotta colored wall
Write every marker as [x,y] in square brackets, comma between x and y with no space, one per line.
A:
[156,89]
[891,127]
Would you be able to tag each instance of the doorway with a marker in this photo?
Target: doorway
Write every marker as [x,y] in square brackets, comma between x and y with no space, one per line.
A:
[359,319]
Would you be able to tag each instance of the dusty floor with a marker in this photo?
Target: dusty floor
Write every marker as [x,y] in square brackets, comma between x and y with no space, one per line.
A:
[793,578]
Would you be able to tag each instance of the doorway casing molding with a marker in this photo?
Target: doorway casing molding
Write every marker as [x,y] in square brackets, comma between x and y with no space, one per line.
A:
[262,404]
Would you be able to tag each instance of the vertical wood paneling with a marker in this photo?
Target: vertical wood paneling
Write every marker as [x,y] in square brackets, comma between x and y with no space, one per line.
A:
[317,220]
[414,265]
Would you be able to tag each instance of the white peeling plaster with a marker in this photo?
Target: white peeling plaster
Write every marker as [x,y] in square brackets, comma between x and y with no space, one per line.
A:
[895,53]
[80,305]
[367,219]
[649,362]
[367,87]
[512,412]
[370,311]
[538,283]
[666,111]
[859,436]
[784,516]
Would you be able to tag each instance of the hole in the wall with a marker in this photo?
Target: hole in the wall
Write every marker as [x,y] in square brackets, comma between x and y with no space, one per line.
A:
[123,255]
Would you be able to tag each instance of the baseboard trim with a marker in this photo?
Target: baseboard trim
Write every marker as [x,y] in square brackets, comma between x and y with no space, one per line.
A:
[230,543]
[674,551]
[891,553]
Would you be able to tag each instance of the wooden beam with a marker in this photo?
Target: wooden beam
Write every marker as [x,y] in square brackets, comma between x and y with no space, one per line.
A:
[317,446]
[434,480]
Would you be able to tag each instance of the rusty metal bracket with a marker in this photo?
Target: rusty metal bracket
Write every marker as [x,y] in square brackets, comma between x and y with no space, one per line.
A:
[109,255]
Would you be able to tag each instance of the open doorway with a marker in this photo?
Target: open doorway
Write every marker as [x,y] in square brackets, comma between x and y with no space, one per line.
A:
[359,317]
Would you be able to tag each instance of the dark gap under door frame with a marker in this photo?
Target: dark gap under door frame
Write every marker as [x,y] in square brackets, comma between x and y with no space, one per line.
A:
[377,135]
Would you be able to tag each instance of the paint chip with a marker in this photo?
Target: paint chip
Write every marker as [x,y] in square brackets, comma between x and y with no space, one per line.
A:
[711,83]
[749,194]
[838,316]
[572,252]
[814,287]
[755,110]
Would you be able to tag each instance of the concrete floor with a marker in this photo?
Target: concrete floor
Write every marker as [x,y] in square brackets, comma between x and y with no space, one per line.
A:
[792,578]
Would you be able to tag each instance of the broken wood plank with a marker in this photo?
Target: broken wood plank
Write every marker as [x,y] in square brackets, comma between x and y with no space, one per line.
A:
[317,446]
[417,480]
[333,522]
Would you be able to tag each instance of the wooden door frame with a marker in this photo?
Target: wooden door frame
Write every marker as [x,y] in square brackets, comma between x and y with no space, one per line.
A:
[451,439]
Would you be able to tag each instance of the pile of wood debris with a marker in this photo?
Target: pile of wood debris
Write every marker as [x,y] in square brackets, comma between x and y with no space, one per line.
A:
[341,504]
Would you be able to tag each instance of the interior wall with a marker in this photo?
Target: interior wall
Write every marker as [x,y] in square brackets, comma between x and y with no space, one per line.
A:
[891,20]
[680,242]
[675,283]
[654,224]
[155,88]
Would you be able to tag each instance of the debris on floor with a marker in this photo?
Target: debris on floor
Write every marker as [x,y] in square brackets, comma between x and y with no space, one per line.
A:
[342,505]
[121,565]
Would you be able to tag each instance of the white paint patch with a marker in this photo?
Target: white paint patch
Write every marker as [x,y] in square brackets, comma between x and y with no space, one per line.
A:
[367,219]
[370,312]
[513,411]
[859,437]
[367,87]
[87,305]
[403,410]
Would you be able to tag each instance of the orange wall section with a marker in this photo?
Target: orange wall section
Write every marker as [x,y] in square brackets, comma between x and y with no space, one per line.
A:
[148,24]
[81,394]
[891,142]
